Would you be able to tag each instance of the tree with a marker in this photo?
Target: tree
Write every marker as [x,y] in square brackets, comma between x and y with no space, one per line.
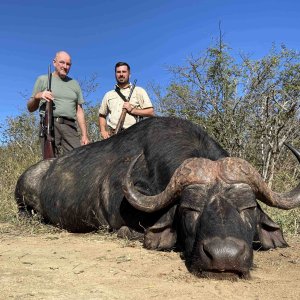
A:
[272,89]
[21,131]
[89,86]
[250,106]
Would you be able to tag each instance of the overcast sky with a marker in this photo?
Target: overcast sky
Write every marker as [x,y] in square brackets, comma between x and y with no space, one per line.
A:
[149,35]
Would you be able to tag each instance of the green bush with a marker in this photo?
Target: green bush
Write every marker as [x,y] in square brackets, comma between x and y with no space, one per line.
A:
[14,161]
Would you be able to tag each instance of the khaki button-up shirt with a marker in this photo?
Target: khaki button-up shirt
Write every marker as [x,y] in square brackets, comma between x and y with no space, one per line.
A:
[112,105]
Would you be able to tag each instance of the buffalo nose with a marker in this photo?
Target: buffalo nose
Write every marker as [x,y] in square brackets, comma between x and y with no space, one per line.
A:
[229,254]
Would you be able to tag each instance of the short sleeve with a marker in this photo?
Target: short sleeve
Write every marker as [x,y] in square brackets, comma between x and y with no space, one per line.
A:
[103,110]
[143,98]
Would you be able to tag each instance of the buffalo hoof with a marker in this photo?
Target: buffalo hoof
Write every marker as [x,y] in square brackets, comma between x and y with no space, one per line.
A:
[126,233]
[162,240]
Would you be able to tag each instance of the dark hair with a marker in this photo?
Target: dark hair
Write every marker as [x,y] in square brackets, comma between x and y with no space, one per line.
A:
[121,63]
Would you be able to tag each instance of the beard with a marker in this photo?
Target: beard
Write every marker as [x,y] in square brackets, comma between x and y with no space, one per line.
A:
[122,80]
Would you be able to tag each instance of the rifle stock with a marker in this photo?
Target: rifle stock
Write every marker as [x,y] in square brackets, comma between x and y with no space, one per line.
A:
[124,112]
[48,124]
[121,121]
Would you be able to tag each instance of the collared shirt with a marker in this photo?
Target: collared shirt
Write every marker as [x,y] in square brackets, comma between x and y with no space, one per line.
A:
[112,105]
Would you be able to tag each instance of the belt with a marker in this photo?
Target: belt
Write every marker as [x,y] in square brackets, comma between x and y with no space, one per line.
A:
[64,120]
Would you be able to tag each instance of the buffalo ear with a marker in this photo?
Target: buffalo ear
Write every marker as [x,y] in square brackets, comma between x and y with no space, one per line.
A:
[161,235]
[268,232]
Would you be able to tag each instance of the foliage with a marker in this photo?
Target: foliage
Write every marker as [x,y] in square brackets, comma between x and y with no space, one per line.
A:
[14,160]
[272,88]
[89,86]
[19,150]
[251,107]
[21,131]
[91,116]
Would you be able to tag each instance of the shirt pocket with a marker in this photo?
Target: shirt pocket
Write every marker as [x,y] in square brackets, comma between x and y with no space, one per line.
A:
[114,103]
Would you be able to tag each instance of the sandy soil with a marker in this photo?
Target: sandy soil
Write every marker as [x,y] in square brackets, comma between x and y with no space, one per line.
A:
[97,266]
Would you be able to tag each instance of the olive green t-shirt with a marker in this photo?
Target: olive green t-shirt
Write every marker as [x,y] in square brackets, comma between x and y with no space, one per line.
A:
[66,92]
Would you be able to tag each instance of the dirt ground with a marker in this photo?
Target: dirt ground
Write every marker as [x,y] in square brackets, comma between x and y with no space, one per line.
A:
[97,266]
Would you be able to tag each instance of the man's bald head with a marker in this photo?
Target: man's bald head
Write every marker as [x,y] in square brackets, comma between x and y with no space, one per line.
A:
[62,64]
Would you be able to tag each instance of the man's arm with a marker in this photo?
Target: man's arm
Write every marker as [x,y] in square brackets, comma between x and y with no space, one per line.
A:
[82,125]
[142,112]
[145,108]
[102,126]
[34,101]
[145,112]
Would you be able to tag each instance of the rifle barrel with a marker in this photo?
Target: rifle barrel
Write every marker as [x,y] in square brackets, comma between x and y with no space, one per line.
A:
[48,135]
[49,78]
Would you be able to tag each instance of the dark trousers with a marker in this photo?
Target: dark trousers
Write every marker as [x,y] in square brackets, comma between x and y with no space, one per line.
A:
[66,137]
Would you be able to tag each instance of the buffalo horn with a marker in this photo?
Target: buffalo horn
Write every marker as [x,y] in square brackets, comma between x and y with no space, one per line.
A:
[191,171]
[229,170]
[294,150]
[234,170]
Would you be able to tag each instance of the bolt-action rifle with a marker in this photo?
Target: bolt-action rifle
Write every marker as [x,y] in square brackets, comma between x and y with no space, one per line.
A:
[48,124]
[124,111]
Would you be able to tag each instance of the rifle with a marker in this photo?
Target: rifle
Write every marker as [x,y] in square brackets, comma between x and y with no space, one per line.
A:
[48,124]
[124,111]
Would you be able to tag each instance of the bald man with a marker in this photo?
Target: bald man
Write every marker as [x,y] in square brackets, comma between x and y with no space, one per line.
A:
[67,100]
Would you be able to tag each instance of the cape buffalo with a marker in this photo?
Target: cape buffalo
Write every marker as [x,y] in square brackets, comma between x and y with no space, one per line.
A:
[166,180]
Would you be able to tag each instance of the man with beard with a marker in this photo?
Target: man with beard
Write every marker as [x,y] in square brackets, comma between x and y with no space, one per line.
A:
[115,100]
[67,100]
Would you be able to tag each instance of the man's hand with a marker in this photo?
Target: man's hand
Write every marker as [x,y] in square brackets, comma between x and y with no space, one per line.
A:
[85,140]
[105,134]
[128,107]
[46,95]
[34,101]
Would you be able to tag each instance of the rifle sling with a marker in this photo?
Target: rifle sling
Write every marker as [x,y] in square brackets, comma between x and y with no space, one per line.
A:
[120,94]
[117,89]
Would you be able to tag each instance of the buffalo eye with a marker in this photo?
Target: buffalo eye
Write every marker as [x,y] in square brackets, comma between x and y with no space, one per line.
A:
[190,219]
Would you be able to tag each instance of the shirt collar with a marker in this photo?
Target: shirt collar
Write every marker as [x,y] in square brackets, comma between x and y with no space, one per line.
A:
[127,87]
